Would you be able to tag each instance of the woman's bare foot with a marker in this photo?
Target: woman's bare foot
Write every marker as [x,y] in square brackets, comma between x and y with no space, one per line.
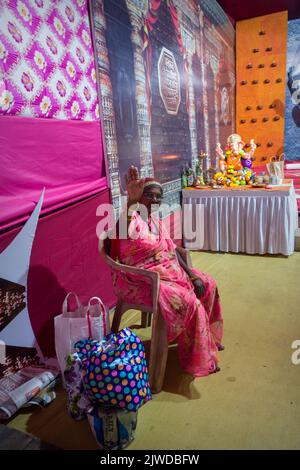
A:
[221,347]
[216,369]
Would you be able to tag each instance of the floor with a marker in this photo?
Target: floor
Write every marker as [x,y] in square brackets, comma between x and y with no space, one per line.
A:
[252,403]
[13,439]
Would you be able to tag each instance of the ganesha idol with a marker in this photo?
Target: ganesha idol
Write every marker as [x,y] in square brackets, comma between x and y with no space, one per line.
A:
[235,164]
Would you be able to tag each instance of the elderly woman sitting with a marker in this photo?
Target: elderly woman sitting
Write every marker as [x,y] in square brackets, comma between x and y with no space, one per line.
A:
[188,298]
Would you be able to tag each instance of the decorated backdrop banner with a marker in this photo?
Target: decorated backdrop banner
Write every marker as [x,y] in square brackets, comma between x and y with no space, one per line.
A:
[46,60]
[167,82]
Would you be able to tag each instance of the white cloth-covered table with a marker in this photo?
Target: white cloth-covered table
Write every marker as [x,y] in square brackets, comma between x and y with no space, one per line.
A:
[248,221]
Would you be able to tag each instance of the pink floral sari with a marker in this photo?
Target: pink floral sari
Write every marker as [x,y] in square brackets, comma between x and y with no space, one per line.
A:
[197,325]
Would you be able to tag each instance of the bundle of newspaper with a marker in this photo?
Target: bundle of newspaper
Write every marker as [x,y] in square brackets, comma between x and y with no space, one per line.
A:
[33,385]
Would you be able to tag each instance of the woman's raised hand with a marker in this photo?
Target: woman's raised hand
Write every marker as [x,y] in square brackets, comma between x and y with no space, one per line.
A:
[134,184]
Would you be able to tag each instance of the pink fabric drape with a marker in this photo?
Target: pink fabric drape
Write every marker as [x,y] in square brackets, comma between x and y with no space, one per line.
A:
[65,157]
[64,258]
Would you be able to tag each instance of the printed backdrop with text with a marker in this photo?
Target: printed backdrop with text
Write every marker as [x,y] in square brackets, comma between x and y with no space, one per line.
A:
[167,82]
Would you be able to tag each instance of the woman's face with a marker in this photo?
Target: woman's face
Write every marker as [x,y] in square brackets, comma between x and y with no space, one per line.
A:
[152,195]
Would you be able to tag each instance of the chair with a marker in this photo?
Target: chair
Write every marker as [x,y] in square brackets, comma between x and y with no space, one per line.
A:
[159,342]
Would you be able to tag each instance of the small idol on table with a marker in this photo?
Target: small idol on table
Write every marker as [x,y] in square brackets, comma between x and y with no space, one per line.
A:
[235,163]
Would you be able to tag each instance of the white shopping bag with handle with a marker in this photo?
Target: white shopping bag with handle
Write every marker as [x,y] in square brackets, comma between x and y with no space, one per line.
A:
[91,322]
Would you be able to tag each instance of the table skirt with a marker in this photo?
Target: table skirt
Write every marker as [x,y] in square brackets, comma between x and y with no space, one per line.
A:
[249,223]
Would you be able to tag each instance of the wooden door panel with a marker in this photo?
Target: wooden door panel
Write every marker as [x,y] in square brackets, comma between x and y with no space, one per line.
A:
[260,82]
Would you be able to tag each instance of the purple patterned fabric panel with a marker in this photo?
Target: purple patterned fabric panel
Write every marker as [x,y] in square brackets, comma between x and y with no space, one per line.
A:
[47,64]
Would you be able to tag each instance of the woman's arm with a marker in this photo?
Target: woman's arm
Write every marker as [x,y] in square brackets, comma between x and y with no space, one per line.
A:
[198,286]
[183,263]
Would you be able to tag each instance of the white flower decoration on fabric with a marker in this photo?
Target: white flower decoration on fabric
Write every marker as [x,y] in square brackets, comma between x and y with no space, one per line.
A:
[86,37]
[24,12]
[3,52]
[45,105]
[71,69]
[75,109]
[6,100]
[59,27]
[39,59]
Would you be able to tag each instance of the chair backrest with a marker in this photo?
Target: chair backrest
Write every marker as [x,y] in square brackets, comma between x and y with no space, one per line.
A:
[107,246]
[105,252]
[148,276]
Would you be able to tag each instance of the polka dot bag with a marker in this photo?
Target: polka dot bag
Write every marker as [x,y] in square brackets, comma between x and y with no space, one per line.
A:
[115,370]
